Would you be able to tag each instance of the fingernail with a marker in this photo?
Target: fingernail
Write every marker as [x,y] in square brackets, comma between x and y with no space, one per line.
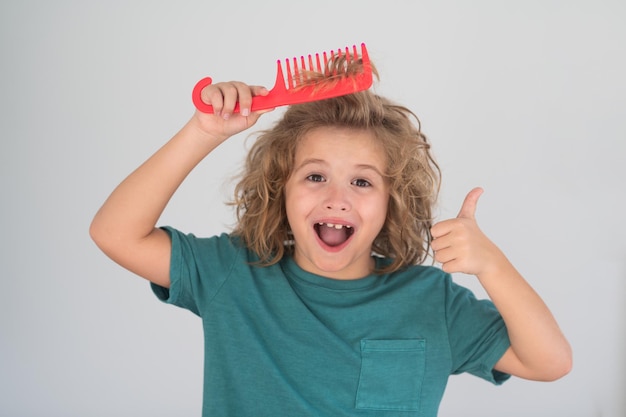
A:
[226,116]
[245,112]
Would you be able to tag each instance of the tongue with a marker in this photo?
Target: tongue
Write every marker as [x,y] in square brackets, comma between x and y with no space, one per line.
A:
[332,236]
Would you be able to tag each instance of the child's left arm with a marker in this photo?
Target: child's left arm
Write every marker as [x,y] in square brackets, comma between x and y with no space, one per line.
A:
[538,351]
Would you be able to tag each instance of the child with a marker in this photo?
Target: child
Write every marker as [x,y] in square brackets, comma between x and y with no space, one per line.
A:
[316,304]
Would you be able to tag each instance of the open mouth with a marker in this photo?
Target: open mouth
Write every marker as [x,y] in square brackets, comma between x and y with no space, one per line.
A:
[333,234]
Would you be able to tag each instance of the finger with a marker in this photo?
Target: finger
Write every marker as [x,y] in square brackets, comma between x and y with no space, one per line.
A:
[452,266]
[213,95]
[233,92]
[255,90]
[441,228]
[243,97]
[258,90]
[445,255]
[468,209]
[440,243]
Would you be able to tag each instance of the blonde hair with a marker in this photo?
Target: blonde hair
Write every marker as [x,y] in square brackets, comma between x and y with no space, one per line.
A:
[412,174]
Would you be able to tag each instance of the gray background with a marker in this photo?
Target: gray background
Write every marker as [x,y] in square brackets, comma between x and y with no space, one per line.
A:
[527,99]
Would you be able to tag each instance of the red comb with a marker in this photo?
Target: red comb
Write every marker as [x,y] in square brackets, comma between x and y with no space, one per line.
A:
[300,86]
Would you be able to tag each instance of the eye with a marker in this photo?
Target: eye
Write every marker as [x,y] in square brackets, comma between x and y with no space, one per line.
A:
[360,182]
[315,178]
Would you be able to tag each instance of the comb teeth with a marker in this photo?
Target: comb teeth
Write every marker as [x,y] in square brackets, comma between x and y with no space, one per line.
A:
[316,77]
[299,72]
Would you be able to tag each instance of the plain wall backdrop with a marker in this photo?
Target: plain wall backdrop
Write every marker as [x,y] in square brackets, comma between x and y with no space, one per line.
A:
[526,99]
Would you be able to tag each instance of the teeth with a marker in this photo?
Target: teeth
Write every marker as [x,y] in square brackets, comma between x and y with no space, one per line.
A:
[336,226]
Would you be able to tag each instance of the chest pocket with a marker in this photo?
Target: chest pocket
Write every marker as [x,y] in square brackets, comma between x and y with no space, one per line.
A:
[392,373]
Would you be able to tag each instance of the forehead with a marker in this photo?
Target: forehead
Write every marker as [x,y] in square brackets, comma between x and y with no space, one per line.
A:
[343,144]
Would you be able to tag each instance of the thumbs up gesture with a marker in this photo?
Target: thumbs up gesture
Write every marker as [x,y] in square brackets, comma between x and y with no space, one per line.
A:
[459,244]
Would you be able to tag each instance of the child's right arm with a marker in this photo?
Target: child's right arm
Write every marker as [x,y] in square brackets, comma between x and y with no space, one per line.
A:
[125,226]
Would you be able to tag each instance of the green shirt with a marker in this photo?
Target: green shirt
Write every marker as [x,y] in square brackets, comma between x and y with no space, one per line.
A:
[280,341]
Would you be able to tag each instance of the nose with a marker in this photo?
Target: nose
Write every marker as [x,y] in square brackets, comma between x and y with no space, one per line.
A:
[337,199]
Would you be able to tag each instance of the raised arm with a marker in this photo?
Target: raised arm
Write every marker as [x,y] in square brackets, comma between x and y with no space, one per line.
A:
[539,351]
[125,226]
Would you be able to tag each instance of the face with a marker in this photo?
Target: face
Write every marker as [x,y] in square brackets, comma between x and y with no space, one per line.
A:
[336,201]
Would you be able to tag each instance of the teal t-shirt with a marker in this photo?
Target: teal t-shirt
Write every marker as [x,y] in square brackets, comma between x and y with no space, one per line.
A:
[280,341]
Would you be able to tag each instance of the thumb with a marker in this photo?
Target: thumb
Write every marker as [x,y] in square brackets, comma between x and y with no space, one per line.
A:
[468,209]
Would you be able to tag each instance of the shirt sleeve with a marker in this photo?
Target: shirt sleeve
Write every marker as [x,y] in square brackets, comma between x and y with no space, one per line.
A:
[477,334]
[198,268]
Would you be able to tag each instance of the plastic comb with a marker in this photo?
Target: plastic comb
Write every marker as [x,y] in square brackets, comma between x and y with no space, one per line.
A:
[314,78]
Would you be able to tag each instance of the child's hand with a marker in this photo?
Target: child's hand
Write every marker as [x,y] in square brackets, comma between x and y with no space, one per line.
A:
[461,246]
[224,123]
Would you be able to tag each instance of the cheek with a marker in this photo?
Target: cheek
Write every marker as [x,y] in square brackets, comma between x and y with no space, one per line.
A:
[295,205]
[377,207]
[299,194]
[376,214]
[289,207]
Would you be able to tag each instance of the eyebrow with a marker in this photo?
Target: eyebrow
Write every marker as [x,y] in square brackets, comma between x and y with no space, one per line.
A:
[309,161]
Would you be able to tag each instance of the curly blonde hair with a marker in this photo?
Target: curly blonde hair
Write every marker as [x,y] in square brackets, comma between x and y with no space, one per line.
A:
[412,174]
